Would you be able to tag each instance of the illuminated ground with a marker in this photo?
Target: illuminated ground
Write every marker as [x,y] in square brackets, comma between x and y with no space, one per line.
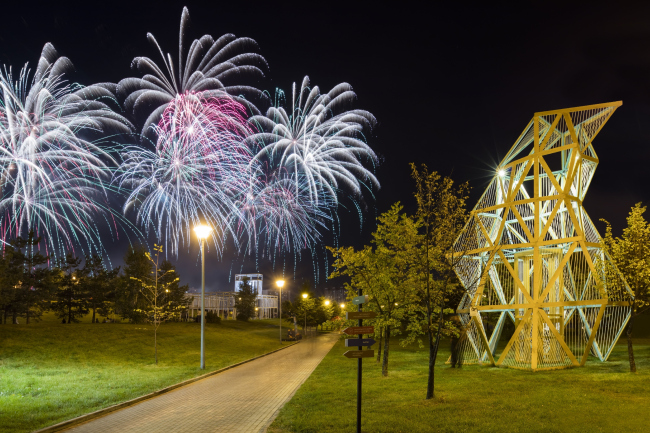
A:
[50,372]
[601,397]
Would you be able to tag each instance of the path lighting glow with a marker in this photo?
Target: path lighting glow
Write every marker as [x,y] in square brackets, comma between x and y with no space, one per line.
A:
[327,302]
[305,296]
[280,284]
[202,232]
[342,305]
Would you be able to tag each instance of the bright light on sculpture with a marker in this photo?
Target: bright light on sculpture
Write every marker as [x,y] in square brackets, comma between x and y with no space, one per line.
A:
[531,254]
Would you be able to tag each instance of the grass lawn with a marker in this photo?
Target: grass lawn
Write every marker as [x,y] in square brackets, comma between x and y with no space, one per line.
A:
[600,397]
[50,372]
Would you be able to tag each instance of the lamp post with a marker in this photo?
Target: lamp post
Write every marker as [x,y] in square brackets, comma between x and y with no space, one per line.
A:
[202,232]
[305,296]
[280,283]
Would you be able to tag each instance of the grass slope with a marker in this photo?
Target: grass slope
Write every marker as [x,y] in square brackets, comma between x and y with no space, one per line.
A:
[50,372]
[601,397]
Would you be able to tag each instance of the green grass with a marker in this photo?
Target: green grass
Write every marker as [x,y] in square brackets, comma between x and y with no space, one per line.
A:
[50,372]
[600,397]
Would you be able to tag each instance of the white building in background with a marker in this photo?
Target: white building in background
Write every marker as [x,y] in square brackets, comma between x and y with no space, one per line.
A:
[255,281]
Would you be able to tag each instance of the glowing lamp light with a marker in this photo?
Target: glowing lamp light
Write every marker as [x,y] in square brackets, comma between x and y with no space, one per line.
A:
[501,172]
[279,283]
[305,296]
[202,231]
[327,302]
[342,305]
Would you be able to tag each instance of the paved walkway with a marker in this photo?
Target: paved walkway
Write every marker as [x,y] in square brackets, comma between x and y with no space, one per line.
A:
[243,399]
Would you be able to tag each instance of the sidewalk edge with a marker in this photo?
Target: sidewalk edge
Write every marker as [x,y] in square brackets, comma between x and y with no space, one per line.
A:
[101,412]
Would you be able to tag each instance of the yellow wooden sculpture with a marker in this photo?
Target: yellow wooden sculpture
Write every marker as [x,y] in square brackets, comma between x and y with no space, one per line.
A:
[531,255]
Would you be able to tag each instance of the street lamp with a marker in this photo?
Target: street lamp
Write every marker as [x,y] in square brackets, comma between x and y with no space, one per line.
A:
[305,296]
[342,305]
[327,303]
[202,232]
[280,283]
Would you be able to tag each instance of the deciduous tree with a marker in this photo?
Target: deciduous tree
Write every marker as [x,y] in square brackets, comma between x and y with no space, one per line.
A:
[631,255]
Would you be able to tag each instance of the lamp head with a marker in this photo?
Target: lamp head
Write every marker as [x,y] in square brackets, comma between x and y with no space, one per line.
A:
[327,302]
[305,296]
[279,283]
[342,305]
[202,231]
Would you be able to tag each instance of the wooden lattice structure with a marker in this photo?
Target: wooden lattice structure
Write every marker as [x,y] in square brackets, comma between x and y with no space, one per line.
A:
[531,254]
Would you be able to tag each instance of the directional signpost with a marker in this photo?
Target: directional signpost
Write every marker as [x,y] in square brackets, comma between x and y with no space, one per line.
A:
[360,300]
[352,342]
[352,315]
[359,343]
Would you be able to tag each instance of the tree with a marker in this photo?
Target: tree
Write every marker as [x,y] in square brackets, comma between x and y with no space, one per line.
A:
[31,279]
[98,284]
[631,255]
[128,301]
[175,294]
[384,272]
[153,290]
[71,301]
[10,275]
[245,300]
[441,214]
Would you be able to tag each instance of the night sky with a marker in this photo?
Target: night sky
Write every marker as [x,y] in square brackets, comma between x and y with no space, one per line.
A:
[451,86]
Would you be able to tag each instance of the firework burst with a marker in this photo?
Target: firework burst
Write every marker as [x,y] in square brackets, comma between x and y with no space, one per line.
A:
[199,168]
[316,144]
[210,66]
[52,177]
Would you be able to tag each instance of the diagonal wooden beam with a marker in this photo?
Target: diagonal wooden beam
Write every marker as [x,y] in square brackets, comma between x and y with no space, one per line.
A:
[594,330]
[558,337]
[515,336]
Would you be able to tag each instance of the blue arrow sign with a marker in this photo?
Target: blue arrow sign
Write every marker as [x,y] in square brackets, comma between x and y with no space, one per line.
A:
[356,342]
[360,300]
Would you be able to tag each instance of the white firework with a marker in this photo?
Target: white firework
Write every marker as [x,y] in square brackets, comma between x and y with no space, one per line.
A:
[210,66]
[318,143]
[52,176]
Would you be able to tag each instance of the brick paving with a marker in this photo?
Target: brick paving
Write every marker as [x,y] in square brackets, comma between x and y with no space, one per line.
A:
[243,399]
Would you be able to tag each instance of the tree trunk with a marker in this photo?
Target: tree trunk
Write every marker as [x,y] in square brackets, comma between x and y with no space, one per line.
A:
[379,334]
[433,353]
[14,318]
[93,314]
[384,365]
[27,319]
[155,342]
[630,350]
[70,310]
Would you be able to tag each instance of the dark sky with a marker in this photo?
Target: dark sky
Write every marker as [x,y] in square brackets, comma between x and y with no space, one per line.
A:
[452,86]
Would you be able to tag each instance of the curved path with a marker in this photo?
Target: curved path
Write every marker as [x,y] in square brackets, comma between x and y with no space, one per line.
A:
[243,399]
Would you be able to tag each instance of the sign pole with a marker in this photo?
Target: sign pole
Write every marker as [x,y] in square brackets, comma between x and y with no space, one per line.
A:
[360,360]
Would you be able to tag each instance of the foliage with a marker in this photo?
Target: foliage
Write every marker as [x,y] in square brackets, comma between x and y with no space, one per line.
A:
[385,273]
[71,302]
[98,284]
[27,282]
[442,214]
[631,255]
[245,300]
[157,307]
[128,301]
